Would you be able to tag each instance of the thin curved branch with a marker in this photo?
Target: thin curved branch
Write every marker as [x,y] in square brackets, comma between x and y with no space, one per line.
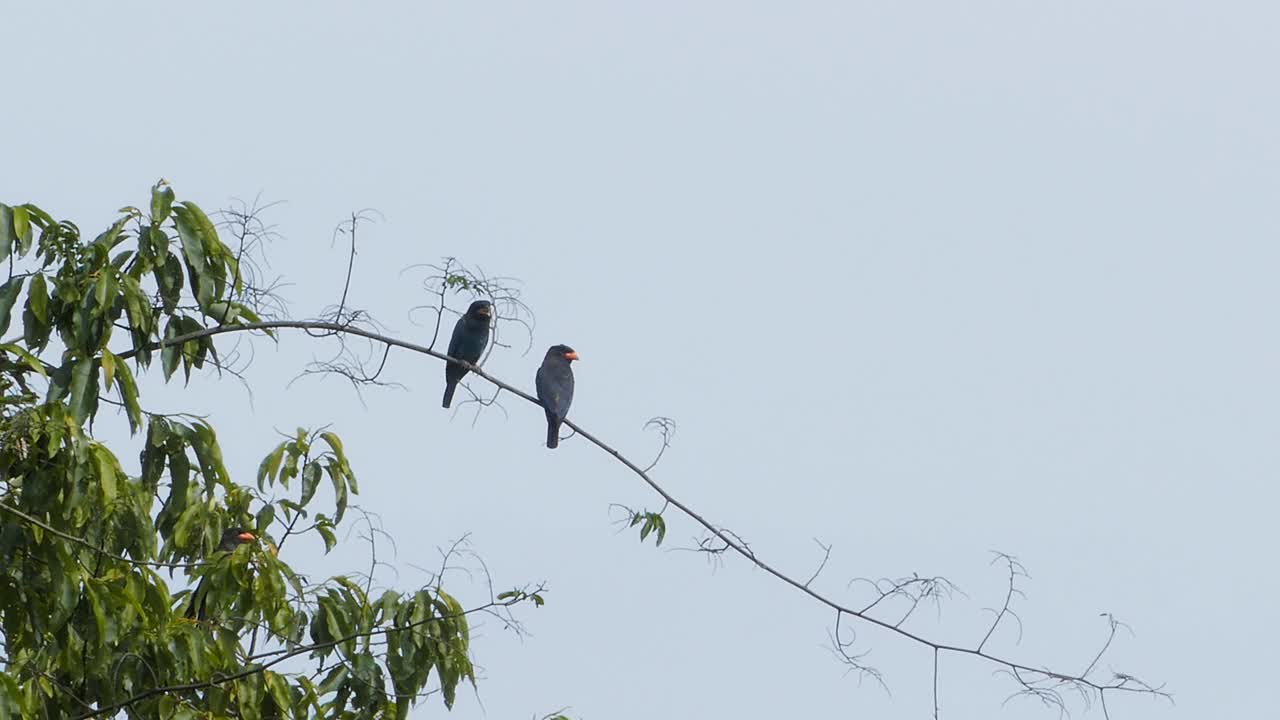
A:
[1025,674]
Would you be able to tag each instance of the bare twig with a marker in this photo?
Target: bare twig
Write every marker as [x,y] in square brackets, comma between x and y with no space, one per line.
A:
[1016,570]
[666,428]
[826,555]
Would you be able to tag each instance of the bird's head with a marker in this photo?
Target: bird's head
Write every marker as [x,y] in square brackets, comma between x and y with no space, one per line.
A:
[480,310]
[234,537]
[563,351]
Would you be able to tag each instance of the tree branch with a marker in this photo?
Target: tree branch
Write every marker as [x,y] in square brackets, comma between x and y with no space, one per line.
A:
[1025,674]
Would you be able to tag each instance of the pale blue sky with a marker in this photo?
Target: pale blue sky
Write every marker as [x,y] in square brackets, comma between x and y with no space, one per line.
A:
[921,280]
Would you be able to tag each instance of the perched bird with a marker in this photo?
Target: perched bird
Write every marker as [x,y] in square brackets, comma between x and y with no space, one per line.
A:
[470,337]
[555,388]
[232,538]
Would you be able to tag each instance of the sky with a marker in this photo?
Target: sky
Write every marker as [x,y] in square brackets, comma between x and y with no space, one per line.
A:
[919,281]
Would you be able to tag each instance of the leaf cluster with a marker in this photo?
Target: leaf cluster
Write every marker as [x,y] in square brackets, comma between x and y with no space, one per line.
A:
[100,569]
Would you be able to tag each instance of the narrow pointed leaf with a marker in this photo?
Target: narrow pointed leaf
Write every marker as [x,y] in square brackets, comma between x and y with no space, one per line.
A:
[8,296]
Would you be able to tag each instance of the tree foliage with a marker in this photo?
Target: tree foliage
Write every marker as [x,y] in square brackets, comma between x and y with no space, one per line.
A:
[96,563]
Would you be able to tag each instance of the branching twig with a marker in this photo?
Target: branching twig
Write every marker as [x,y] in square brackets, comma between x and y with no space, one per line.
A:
[452,276]
[854,662]
[666,428]
[826,555]
[914,590]
[1016,570]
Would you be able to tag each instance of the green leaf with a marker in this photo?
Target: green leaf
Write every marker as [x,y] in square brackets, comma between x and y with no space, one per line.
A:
[224,312]
[157,242]
[89,331]
[448,684]
[111,237]
[128,394]
[205,444]
[248,315]
[340,494]
[171,353]
[333,680]
[30,360]
[134,302]
[310,481]
[104,290]
[34,333]
[8,296]
[59,383]
[107,477]
[290,468]
[99,612]
[21,222]
[202,250]
[270,465]
[338,621]
[326,533]
[653,523]
[189,232]
[157,432]
[42,220]
[38,299]
[84,390]
[169,280]
[279,691]
[108,368]
[179,470]
[334,443]
[10,698]
[264,518]
[120,259]
[152,458]
[161,202]
[6,231]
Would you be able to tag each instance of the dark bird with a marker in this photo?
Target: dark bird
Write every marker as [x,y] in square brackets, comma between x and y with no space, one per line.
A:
[555,388]
[470,337]
[232,538]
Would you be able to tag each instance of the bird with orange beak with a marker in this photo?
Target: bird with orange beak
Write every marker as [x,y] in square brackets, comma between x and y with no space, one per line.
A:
[554,382]
[232,538]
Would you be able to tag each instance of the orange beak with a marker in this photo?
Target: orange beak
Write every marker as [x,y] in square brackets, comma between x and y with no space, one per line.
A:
[246,537]
[571,356]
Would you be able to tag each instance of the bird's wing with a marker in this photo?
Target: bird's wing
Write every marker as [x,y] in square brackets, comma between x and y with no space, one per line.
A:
[459,329]
[540,383]
[555,390]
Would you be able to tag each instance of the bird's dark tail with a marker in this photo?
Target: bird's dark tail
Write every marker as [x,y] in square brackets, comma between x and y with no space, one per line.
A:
[553,433]
[449,387]
[196,606]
